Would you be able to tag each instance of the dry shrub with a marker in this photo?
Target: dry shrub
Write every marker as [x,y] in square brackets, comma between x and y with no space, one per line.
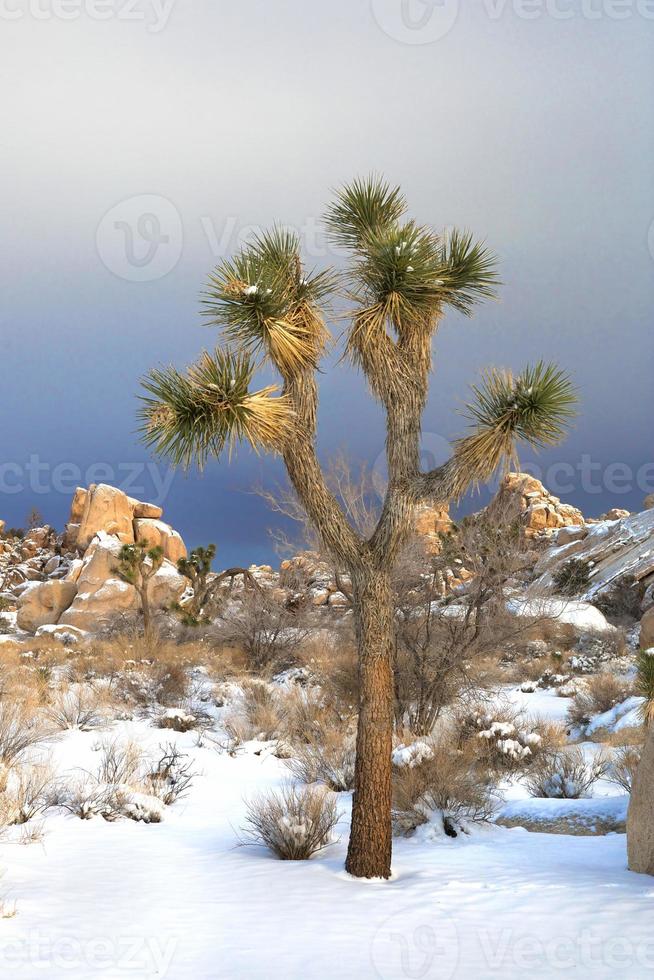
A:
[177,720]
[623,766]
[80,706]
[294,822]
[20,729]
[127,784]
[442,783]
[86,798]
[31,790]
[599,693]
[171,776]
[566,774]
[120,762]
[503,740]
[328,758]
[336,670]
[260,714]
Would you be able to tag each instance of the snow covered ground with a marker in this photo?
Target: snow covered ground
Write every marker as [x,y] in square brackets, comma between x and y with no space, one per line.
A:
[181,900]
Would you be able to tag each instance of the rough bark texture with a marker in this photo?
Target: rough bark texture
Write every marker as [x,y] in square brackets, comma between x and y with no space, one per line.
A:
[369,852]
[640,818]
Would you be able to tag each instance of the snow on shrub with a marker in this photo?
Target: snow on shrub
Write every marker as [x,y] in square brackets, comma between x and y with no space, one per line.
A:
[127,784]
[329,758]
[566,775]
[294,822]
[439,784]
[177,719]
[504,741]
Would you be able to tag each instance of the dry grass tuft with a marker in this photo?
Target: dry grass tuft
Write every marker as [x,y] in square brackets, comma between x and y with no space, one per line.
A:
[294,823]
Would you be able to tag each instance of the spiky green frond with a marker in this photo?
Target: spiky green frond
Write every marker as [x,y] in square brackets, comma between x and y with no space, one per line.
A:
[468,271]
[535,407]
[264,300]
[363,208]
[190,417]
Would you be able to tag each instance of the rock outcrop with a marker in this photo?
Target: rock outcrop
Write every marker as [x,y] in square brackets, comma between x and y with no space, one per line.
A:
[157,534]
[106,508]
[615,549]
[77,586]
[430,522]
[524,497]
[100,595]
[44,602]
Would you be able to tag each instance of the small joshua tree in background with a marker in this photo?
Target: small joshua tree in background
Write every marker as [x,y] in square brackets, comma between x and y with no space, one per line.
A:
[137,564]
[401,279]
[197,568]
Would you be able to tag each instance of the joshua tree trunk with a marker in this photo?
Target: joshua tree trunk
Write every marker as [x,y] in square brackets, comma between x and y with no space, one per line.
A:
[145,609]
[369,852]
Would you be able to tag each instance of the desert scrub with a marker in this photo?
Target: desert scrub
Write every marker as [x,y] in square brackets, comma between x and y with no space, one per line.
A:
[328,757]
[438,782]
[623,766]
[598,694]
[502,739]
[31,790]
[573,577]
[20,729]
[80,706]
[294,822]
[566,774]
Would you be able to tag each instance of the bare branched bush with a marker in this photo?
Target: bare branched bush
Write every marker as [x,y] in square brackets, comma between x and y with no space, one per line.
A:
[566,774]
[171,776]
[443,784]
[623,766]
[268,633]
[294,822]
[328,758]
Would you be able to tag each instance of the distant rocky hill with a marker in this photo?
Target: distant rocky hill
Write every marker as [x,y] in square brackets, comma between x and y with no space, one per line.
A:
[67,584]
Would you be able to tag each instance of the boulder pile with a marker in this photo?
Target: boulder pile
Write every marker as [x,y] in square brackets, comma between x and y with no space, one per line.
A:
[72,582]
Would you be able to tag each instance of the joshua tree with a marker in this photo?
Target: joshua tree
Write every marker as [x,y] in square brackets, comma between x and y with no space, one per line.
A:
[136,566]
[401,279]
[197,568]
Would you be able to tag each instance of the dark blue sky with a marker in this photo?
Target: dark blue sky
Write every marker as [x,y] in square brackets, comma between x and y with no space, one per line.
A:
[136,152]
